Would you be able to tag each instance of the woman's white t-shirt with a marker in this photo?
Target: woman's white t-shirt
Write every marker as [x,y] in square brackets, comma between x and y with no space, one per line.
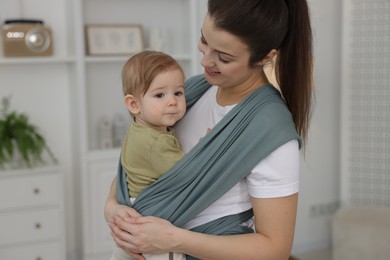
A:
[277,175]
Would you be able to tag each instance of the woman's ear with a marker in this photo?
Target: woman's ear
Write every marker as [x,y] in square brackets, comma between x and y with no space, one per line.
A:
[132,104]
[268,58]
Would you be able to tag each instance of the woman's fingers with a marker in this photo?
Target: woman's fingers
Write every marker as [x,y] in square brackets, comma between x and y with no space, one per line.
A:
[120,232]
[145,220]
[127,226]
[128,248]
[143,234]
[125,240]
[132,213]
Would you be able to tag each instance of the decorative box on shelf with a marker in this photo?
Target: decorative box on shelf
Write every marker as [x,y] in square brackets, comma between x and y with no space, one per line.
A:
[32,214]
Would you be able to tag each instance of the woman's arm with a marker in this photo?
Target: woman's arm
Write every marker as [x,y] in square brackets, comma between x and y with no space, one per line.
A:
[113,211]
[274,221]
[112,208]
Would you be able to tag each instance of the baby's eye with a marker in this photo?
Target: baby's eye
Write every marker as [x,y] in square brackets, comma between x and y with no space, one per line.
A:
[179,93]
[159,95]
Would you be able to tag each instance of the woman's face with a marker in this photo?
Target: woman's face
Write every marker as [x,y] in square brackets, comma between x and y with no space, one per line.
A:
[225,57]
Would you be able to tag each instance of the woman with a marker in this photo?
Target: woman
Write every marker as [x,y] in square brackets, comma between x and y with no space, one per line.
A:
[238,38]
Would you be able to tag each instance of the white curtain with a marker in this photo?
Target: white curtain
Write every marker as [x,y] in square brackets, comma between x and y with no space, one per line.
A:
[365,103]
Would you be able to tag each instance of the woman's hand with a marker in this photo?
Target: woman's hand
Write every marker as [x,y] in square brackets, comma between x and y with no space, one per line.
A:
[144,235]
[112,208]
[113,211]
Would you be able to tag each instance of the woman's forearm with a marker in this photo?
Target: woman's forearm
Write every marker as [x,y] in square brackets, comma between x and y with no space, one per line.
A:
[275,224]
[110,203]
[274,220]
[155,236]
[247,246]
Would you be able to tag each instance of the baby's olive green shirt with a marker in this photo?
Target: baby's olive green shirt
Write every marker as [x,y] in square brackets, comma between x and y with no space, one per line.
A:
[147,154]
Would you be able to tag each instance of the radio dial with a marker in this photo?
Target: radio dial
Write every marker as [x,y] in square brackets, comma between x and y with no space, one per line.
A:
[37,40]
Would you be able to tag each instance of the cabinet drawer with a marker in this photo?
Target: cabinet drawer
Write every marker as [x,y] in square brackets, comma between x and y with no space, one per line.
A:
[40,251]
[29,190]
[26,226]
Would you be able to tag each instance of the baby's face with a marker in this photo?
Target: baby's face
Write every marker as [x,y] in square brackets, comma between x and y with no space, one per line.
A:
[164,102]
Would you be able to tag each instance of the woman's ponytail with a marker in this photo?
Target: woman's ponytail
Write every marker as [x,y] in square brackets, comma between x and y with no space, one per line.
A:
[294,65]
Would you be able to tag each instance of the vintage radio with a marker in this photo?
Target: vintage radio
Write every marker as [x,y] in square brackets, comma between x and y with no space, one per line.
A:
[26,38]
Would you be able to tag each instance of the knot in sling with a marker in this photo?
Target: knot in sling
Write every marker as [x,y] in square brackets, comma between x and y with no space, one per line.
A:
[253,129]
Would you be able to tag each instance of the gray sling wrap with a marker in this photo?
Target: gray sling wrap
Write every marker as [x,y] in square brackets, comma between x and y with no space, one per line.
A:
[248,133]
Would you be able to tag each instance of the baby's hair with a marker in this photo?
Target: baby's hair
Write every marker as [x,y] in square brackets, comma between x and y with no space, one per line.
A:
[140,70]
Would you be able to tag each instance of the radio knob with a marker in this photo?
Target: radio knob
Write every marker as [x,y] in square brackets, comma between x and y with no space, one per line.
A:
[37,40]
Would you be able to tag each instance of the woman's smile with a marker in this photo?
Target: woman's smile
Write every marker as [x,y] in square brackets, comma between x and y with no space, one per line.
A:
[211,72]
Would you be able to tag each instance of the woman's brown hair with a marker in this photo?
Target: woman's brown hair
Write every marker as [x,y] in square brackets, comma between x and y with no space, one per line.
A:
[283,25]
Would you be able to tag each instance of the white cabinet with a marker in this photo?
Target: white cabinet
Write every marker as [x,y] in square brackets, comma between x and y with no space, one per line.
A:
[98,177]
[31,214]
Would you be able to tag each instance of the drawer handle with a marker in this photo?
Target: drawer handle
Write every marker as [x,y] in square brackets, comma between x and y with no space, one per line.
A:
[38,258]
[38,225]
[37,190]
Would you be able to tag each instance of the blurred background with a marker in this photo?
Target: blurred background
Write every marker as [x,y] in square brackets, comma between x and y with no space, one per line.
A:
[70,89]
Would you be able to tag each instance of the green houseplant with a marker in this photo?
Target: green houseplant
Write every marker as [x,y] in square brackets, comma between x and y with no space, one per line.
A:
[18,135]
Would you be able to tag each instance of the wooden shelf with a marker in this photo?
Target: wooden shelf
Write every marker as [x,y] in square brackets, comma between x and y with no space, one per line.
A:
[36,60]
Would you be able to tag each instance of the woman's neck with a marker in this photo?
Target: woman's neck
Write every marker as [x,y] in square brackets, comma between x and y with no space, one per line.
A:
[233,95]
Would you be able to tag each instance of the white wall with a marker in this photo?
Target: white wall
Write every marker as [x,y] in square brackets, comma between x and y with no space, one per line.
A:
[319,192]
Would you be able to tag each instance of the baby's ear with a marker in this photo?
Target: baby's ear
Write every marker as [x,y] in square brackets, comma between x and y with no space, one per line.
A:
[132,104]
